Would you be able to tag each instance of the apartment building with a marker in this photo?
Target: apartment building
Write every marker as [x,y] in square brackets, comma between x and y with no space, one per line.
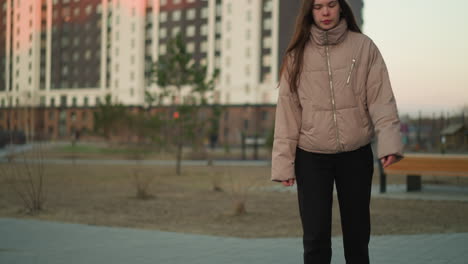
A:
[65,56]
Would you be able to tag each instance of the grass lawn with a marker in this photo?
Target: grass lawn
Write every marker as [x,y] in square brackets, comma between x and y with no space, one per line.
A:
[106,195]
[86,150]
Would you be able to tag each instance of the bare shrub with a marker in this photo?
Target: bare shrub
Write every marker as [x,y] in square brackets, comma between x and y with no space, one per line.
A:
[238,189]
[216,181]
[142,184]
[26,176]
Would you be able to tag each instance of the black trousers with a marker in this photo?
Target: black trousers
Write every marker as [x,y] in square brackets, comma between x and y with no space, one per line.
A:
[352,173]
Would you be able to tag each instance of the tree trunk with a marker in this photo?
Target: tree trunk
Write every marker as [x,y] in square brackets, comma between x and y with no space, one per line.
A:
[180,142]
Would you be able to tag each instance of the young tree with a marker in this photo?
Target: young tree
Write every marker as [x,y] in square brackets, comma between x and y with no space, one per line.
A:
[186,82]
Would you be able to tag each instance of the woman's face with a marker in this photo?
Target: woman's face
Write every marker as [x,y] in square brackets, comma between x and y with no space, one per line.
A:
[326,13]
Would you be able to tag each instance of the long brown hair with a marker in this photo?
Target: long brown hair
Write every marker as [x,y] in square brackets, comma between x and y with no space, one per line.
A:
[296,47]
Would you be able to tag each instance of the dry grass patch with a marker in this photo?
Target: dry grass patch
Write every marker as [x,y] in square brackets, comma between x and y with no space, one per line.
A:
[106,195]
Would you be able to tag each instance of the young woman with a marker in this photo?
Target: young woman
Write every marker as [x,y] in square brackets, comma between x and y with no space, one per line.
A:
[334,96]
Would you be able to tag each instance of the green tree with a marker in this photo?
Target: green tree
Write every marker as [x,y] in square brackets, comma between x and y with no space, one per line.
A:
[109,117]
[179,76]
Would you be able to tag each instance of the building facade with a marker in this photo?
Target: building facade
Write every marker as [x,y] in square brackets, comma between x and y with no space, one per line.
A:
[57,56]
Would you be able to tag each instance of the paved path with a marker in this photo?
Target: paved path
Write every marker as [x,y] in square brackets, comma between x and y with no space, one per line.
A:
[33,241]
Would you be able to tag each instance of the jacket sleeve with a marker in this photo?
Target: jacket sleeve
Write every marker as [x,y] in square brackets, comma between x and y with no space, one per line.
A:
[382,107]
[286,135]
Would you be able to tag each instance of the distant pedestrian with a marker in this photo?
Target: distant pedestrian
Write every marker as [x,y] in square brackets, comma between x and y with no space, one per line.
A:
[334,96]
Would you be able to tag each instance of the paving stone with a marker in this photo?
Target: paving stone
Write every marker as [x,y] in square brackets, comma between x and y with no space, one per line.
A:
[33,241]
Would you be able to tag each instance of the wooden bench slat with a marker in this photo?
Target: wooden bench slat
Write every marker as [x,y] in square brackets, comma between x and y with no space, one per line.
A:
[435,166]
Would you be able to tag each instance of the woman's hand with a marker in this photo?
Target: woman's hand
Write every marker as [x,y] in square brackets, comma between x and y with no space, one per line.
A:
[388,160]
[289,182]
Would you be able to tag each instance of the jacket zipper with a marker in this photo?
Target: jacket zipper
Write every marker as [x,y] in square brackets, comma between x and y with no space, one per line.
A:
[330,77]
[350,71]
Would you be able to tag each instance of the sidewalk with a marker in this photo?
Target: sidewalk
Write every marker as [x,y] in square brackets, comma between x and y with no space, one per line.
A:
[33,241]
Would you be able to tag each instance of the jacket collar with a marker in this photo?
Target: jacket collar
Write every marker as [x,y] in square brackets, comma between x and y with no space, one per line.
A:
[329,37]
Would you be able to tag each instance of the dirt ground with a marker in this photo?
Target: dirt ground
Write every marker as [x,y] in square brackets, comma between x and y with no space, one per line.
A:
[106,195]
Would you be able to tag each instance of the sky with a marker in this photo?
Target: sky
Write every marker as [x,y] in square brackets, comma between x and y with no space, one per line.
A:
[425,46]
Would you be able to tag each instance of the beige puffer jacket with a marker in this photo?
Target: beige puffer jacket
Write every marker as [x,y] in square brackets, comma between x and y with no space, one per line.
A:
[344,95]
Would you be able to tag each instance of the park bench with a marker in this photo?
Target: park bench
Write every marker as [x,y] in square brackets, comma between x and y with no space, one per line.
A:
[415,166]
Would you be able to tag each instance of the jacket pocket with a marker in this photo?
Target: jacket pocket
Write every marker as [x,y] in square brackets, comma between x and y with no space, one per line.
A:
[350,72]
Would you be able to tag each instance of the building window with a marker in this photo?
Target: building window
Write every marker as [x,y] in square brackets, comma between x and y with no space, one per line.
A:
[190,31]
[266,61]
[190,47]
[74,101]
[218,28]
[162,17]
[204,12]
[162,49]
[88,54]
[268,6]
[267,42]
[191,13]
[85,101]
[76,11]
[176,15]
[175,31]
[204,46]
[219,10]
[162,32]
[204,30]
[267,24]
[63,100]
[76,56]
[51,115]
[52,102]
